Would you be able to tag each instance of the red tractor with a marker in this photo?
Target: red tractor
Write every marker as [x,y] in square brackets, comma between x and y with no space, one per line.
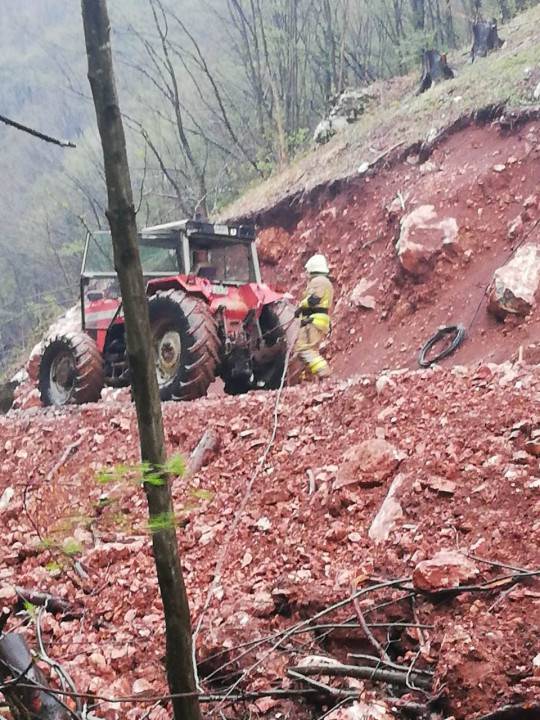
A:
[210,314]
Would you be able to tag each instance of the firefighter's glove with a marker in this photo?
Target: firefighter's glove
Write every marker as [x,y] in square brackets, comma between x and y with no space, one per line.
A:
[306,321]
[297,312]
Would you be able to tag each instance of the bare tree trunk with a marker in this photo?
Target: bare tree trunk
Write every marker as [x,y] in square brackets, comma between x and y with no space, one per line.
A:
[121,216]
[419,14]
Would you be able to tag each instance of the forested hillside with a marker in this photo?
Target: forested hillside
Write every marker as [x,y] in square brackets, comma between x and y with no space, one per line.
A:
[217,95]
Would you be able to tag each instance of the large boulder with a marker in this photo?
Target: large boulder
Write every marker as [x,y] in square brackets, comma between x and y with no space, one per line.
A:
[368,463]
[423,236]
[516,284]
[445,570]
[346,108]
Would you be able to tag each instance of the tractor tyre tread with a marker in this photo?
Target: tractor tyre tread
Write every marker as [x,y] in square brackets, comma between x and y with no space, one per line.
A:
[283,312]
[89,379]
[200,344]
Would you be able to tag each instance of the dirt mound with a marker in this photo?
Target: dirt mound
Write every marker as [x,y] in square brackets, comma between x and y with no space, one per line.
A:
[466,484]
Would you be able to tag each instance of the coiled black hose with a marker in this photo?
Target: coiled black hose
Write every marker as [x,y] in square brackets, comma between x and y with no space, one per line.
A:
[458,331]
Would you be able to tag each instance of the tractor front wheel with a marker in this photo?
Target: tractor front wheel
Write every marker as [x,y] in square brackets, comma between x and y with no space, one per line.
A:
[186,345]
[70,370]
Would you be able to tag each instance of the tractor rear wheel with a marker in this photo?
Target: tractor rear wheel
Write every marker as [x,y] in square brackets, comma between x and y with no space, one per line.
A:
[70,370]
[186,345]
[280,329]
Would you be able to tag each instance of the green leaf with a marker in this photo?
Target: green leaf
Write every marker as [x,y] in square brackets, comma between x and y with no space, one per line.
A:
[154,478]
[31,609]
[201,494]
[163,521]
[175,465]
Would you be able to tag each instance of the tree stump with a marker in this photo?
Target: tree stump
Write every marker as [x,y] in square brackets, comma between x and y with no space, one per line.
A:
[485,38]
[434,69]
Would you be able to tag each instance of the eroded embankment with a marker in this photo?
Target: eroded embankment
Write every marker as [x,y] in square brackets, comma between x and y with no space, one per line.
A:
[484,178]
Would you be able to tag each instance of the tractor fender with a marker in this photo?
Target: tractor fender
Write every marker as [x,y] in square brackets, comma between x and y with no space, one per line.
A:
[265,295]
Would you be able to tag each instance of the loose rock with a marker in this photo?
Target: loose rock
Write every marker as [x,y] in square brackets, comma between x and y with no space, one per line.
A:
[447,569]
[516,284]
[369,463]
[423,236]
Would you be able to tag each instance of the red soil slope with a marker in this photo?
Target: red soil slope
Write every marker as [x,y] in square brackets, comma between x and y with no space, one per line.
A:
[354,227]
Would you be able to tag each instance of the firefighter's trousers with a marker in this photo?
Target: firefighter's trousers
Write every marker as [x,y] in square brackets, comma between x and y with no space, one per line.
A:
[307,349]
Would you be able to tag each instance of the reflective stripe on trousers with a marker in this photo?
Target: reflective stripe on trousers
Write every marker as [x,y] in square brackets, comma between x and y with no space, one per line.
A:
[307,349]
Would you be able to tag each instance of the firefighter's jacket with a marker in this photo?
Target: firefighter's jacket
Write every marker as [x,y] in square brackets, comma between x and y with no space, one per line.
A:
[317,302]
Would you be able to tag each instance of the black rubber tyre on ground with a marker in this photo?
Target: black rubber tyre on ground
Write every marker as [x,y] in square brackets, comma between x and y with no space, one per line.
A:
[71,370]
[279,329]
[186,345]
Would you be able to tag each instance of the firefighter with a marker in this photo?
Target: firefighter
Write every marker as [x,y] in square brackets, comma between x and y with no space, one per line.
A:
[314,311]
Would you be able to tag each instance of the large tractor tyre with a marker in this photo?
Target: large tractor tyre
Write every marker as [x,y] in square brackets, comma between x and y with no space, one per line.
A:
[236,386]
[70,370]
[280,330]
[186,345]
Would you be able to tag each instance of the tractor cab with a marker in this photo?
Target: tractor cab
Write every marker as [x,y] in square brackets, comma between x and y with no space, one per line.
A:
[222,254]
[203,258]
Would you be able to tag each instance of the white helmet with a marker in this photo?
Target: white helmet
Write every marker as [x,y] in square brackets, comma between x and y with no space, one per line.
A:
[317,264]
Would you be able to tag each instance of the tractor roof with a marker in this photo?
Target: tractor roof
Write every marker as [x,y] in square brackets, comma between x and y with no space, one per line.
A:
[197,227]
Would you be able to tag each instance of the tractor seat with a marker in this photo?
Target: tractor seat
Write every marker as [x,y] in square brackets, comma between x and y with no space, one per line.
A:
[206,271]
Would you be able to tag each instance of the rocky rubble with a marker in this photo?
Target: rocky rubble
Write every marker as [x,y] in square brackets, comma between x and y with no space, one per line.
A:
[461,439]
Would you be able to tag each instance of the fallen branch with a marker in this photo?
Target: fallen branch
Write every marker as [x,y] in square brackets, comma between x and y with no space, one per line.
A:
[395,677]
[307,626]
[336,692]
[53,604]
[204,451]
[67,452]
[36,133]
[370,636]
[500,583]
[65,678]
[387,663]
[497,564]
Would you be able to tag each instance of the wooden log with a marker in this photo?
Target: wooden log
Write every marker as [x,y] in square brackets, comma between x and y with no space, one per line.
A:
[205,450]
[23,684]
[55,605]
